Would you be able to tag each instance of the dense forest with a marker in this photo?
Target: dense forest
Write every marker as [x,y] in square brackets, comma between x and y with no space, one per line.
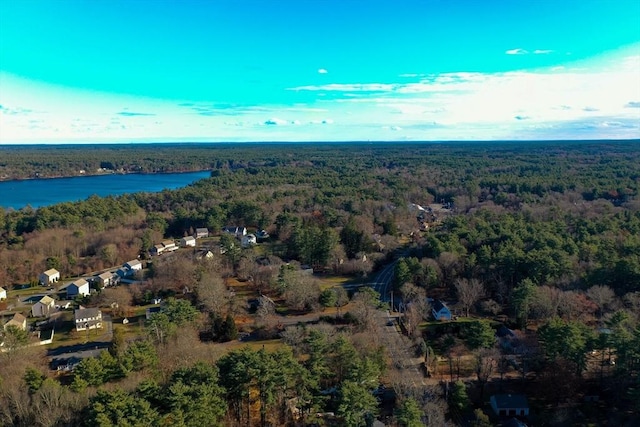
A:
[543,237]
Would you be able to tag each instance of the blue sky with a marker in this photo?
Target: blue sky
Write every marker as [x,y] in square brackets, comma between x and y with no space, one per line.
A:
[310,70]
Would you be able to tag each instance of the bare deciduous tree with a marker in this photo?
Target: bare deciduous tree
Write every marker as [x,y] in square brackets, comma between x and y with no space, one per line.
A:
[469,292]
[602,296]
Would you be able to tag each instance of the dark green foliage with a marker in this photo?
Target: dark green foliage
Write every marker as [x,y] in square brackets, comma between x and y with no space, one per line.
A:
[479,334]
[117,408]
[34,379]
[409,414]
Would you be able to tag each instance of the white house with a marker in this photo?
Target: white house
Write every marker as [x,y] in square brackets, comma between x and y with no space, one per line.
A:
[133,265]
[105,279]
[440,311]
[169,246]
[44,307]
[188,241]
[236,231]
[201,232]
[157,249]
[50,276]
[510,405]
[79,287]
[3,294]
[248,240]
[88,318]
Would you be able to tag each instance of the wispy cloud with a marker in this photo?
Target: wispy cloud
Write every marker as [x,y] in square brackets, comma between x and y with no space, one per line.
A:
[517,51]
[632,104]
[542,51]
[133,114]
[322,71]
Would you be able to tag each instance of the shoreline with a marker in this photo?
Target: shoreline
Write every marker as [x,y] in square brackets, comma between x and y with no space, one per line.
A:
[3,179]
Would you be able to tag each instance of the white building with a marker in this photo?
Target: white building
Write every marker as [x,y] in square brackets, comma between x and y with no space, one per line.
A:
[3,294]
[79,287]
[88,318]
[44,307]
[188,241]
[201,232]
[50,276]
[133,265]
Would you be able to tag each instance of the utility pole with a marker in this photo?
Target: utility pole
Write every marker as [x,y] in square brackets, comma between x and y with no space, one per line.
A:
[392,309]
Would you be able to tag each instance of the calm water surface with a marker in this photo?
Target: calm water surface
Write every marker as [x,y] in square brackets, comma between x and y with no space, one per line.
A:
[43,192]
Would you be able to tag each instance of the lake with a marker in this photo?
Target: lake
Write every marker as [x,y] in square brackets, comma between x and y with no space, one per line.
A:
[44,192]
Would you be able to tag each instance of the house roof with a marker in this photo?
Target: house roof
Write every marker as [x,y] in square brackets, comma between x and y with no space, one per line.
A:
[3,290]
[188,238]
[17,320]
[106,275]
[51,272]
[86,313]
[202,230]
[168,243]
[46,300]
[132,263]
[78,283]
[439,305]
[511,401]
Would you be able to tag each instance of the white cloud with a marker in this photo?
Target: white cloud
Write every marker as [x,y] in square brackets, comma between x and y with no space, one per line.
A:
[322,71]
[516,52]
[599,98]
[542,51]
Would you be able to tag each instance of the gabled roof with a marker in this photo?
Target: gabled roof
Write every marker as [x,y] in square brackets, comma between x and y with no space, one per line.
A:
[106,275]
[51,272]
[3,289]
[439,305]
[188,238]
[17,320]
[511,401]
[202,230]
[78,283]
[86,313]
[47,300]
[132,263]
[166,243]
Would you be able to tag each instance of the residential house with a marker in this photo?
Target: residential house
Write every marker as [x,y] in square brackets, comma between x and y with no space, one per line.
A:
[3,294]
[201,232]
[157,250]
[249,240]
[510,405]
[124,272]
[169,246]
[105,279]
[44,307]
[133,265]
[18,320]
[236,231]
[50,276]
[78,287]
[188,241]
[88,318]
[440,311]
[151,311]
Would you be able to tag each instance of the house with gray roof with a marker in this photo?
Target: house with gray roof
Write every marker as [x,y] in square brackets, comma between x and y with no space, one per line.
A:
[87,318]
[510,405]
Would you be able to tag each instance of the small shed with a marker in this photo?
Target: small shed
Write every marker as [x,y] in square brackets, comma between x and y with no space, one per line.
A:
[188,241]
